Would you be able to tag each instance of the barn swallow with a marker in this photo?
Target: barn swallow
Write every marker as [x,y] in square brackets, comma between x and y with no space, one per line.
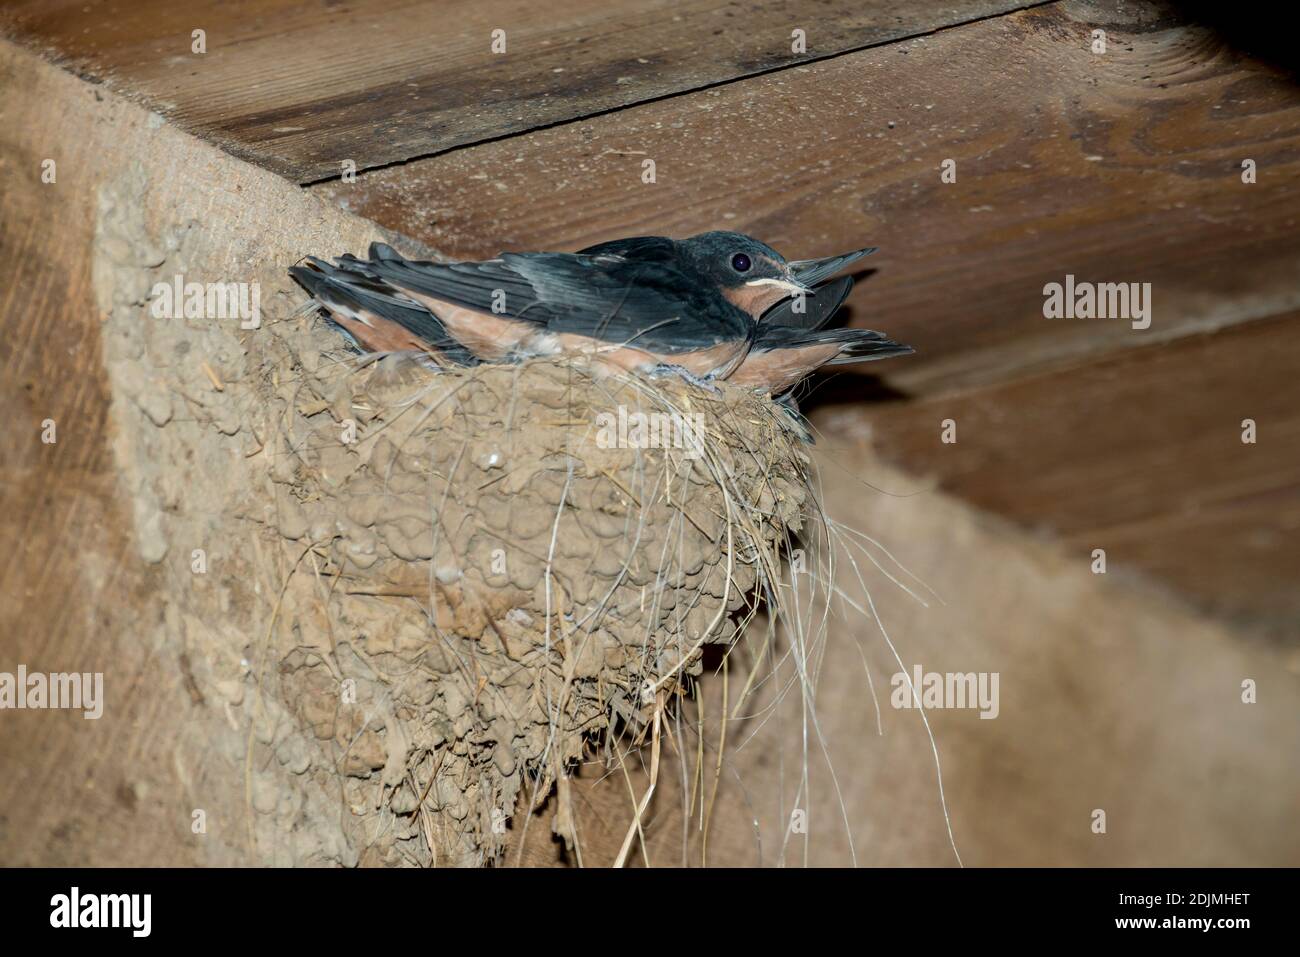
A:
[640,303]
[646,303]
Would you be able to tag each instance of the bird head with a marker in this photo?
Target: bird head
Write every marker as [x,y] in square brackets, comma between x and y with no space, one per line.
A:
[753,275]
[742,265]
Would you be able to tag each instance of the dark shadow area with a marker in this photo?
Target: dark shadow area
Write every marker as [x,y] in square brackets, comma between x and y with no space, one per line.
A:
[829,389]
[1249,28]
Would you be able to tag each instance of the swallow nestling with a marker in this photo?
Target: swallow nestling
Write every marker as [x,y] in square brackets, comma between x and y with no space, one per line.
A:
[715,306]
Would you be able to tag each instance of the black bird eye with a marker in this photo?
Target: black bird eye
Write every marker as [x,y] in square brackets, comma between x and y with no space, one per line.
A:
[740,262]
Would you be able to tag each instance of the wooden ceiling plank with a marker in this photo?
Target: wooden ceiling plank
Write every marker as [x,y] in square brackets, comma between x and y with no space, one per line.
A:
[301,86]
[1139,453]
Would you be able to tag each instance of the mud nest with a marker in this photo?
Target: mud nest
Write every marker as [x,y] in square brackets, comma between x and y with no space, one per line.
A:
[518,562]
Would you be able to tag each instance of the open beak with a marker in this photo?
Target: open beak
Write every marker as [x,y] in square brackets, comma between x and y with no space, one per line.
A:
[816,312]
[809,272]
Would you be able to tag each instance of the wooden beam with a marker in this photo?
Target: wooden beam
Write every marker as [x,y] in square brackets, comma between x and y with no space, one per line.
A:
[1140,454]
[83,587]
[302,86]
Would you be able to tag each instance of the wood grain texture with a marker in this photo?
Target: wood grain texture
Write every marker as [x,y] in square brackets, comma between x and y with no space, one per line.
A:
[77,594]
[302,85]
[1141,454]
[73,592]
[1118,167]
